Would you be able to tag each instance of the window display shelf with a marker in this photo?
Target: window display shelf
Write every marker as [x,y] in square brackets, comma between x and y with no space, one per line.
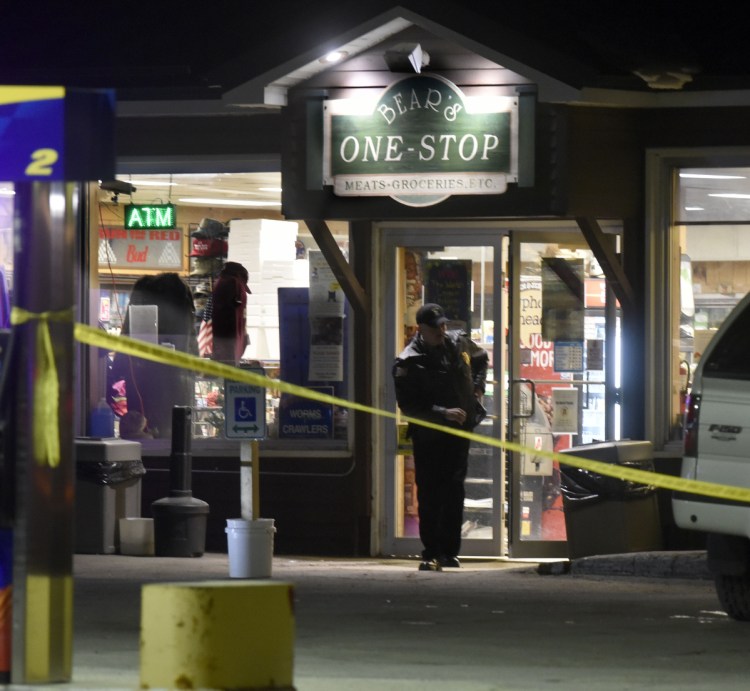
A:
[478,504]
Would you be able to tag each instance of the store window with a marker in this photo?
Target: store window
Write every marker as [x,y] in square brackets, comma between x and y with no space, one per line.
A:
[711,257]
[295,313]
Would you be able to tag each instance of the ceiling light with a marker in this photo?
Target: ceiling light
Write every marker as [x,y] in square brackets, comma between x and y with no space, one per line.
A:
[334,56]
[694,208]
[730,195]
[228,202]
[712,176]
[153,183]
[665,79]
[190,176]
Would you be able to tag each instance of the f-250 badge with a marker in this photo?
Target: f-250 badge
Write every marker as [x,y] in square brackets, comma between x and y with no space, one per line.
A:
[724,432]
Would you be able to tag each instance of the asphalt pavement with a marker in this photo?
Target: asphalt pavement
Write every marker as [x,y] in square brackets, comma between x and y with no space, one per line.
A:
[108,596]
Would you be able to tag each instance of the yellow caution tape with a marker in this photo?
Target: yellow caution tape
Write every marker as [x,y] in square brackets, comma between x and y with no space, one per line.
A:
[46,396]
[129,346]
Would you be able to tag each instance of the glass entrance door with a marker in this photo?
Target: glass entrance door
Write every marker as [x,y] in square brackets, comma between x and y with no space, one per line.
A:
[460,269]
[561,392]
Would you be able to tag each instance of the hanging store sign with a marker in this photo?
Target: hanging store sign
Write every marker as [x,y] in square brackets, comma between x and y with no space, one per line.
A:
[51,133]
[153,216]
[563,307]
[302,418]
[421,142]
[448,283]
[134,250]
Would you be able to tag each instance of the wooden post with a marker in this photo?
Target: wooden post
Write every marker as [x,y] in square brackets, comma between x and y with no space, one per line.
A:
[255,478]
[249,480]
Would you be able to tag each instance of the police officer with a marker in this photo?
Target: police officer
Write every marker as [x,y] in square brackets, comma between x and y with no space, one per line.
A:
[440,377]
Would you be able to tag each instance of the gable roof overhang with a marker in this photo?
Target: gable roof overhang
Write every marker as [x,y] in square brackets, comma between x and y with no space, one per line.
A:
[466,42]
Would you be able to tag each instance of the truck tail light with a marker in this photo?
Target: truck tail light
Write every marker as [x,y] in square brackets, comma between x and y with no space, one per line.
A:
[690,430]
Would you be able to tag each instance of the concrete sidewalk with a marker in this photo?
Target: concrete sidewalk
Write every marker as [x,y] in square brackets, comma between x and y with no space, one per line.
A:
[328,593]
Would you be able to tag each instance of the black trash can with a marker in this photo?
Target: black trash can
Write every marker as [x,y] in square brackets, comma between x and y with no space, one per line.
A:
[180,526]
[180,519]
[108,488]
[604,515]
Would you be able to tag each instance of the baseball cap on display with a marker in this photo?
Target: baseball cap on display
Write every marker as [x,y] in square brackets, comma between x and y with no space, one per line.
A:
[238,271]
[205,266]
[210,228]
[209,247]
[431,314]
[202,289]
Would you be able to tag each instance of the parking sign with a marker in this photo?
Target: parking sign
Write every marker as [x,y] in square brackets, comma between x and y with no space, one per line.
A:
[244,410]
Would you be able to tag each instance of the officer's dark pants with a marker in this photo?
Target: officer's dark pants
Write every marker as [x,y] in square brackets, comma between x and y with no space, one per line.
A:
[440,462]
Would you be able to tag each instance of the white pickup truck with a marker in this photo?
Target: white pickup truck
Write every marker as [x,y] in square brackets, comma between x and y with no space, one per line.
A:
[717,449]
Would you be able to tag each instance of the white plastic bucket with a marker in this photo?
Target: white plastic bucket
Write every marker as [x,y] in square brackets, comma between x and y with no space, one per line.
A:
[250,546]
[137,536]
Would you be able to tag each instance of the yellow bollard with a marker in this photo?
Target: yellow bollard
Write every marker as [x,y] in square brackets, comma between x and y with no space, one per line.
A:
[217,635]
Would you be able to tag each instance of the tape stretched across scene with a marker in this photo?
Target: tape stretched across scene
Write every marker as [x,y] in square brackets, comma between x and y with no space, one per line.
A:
[129,346]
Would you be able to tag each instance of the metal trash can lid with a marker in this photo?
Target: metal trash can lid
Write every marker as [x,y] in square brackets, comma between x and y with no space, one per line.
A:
[108,449]
[620,452]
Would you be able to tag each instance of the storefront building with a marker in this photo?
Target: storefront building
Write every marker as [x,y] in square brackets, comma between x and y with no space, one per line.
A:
[567,229]
[517,194]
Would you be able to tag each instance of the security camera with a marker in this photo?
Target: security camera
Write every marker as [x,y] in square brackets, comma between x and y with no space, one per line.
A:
[116,186]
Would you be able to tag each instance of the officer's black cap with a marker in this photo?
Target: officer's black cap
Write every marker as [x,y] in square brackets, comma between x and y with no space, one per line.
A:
[431,314]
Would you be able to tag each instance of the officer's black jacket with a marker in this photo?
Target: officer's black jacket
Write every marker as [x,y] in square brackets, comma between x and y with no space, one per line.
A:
[428,380]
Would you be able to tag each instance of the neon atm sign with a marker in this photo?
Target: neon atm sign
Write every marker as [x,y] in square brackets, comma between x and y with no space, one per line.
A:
[153,216]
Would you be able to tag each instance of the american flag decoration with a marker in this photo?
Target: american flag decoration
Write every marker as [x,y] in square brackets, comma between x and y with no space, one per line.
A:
[206,331]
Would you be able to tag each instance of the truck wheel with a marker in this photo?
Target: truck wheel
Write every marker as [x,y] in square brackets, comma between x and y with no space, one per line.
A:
[734,595]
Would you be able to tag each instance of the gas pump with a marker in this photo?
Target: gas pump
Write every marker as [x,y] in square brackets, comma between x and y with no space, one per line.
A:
[7,505]
[51,136]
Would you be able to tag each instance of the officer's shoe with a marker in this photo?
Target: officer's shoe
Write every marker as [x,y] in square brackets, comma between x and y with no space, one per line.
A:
[449,562]
[430,565]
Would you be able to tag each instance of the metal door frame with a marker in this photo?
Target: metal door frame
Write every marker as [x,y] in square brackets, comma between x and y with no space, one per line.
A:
[566,232]
[428,235]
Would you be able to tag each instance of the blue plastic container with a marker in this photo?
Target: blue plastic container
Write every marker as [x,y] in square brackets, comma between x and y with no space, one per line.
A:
[102,420]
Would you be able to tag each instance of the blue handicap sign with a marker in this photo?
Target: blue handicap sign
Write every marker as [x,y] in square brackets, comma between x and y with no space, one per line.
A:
[245,409]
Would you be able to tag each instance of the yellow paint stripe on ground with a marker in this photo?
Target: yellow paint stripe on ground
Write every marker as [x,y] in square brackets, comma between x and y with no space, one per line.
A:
[129,346]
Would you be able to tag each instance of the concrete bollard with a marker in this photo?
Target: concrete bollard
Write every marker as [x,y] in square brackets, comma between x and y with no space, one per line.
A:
[217,635]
